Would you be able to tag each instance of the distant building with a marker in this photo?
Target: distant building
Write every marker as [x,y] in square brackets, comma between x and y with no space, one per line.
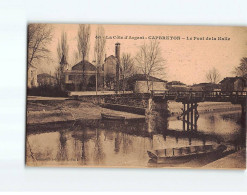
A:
[46,79]
[140,84]
[176,86]
[110,69]
[205,87]
[32,77]
[234,84]
[82,76]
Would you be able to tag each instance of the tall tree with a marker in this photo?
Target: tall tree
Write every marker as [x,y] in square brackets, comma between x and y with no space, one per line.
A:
[127,67]
[75,58]
[150,61]
[99,50]
[39,36]
[83,45]
[62,52]
[241,70]
[99,46]
[213,76]
[62,47]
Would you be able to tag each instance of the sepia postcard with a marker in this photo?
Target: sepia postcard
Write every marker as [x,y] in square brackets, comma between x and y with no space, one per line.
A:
[136,96]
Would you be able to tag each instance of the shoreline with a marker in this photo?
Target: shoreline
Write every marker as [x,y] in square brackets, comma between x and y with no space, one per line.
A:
[72,110]
[236,160]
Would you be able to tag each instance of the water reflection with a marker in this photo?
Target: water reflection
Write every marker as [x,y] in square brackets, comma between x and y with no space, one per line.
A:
[111,143]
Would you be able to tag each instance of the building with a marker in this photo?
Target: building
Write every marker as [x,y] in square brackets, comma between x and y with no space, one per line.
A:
[234,84]
[109,68]
[82,76]
[205,87]
[45,79]
[176,86]
[32,77]
[140,84]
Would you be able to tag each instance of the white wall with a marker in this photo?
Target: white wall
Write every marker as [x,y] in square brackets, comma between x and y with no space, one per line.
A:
[142,86]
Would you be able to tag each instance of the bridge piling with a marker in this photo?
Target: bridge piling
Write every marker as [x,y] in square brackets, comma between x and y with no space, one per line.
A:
[190,116]
[157,113]
[184,118]
[243,114]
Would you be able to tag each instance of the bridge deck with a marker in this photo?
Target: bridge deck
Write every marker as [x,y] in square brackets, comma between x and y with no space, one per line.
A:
[235,97]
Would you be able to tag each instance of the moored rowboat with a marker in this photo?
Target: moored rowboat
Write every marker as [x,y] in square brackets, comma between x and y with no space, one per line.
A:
[111,117]
[185,154]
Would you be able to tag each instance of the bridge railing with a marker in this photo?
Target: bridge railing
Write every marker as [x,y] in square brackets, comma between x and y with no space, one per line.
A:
[200,94]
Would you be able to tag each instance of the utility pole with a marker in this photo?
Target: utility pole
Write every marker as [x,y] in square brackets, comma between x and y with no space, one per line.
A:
[96,80]
[96,77]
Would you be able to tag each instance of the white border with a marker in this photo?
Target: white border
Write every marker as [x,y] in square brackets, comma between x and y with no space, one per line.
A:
[14,16]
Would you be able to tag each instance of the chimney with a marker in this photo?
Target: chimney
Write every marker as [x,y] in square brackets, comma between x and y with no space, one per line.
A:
[117,55]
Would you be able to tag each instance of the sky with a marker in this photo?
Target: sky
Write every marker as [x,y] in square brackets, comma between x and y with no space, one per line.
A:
[187,60]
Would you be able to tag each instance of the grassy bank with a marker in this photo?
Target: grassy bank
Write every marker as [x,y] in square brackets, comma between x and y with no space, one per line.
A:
[67,110]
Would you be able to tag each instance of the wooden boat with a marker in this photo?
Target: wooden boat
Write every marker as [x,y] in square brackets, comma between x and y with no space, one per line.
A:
[111,117]
[185,154]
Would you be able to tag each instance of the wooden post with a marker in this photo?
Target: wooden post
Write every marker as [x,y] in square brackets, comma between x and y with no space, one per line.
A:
[189,140]
[184,118]
[192,117]
[195,117]
[188,117]
[243,114]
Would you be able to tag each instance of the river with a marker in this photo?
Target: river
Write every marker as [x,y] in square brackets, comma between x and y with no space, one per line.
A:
[124,144]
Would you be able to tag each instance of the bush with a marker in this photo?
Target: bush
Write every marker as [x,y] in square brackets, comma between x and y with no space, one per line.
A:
[47,91]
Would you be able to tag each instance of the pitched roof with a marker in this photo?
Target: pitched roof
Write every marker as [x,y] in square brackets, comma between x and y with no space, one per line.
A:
[111,56]
[175,83]
[232,79]
[142,77]
[88,66]
[206,84]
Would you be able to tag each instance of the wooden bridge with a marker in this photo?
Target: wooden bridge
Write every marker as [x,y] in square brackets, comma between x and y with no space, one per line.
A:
[235,97]
[190,100]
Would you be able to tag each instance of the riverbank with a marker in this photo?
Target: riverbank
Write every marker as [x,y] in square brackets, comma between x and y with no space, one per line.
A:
[68,110]
[44,110]
[205,107]
[236,160]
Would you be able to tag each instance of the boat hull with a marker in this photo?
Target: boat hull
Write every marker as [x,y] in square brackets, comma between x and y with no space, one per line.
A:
[111,117]
[180,159]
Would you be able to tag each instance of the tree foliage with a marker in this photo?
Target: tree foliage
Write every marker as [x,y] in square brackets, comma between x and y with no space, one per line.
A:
[241,70]
[83,45]
[213,76]
[62,52]
[150,61]
[99,46]
[39,36]
[63,47]
[83,40]
[127,67]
